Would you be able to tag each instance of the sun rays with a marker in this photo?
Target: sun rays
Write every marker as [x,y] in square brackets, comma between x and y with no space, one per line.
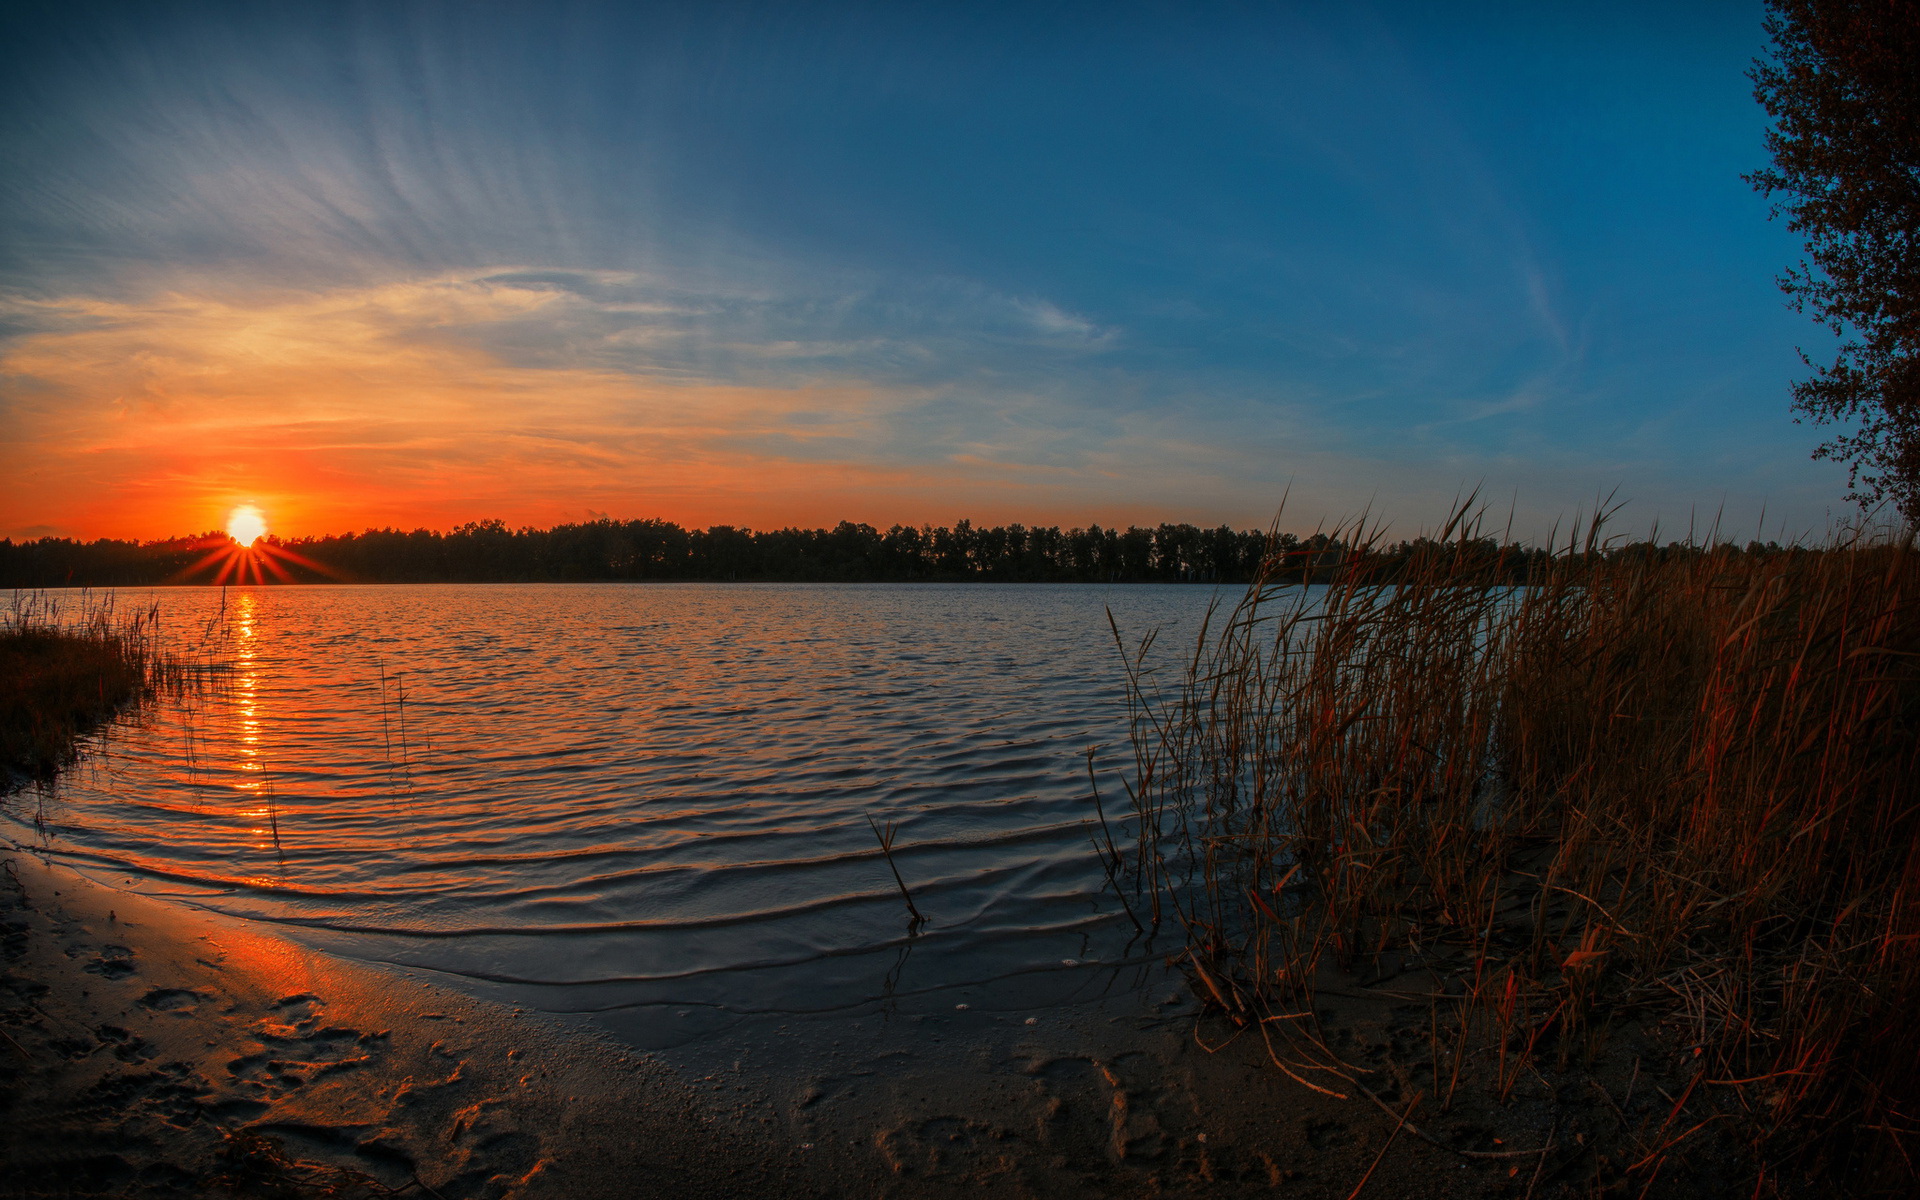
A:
[256,561]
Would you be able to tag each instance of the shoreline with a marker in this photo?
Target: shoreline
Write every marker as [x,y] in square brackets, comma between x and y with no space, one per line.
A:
[155,1048]
[144,1036]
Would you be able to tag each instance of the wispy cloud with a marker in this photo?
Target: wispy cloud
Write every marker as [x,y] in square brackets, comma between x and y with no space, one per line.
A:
[522,392]
[375,404]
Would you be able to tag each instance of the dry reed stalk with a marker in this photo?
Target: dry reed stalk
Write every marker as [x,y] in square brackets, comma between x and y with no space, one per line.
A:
[885,838]
[1658,785]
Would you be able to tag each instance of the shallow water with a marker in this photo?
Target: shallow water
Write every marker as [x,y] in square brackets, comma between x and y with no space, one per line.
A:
[615,798]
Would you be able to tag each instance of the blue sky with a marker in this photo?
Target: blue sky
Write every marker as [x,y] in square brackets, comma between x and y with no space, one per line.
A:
[770,264]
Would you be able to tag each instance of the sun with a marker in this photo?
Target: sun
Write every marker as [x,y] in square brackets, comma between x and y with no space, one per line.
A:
[245,525]
[244,556]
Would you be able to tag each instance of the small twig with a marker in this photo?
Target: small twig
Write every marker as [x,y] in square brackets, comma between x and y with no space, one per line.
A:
[16,1045]
[1289,1072]
[1402,1124]
[1542,1164]
[1625,1126]
[422,1185]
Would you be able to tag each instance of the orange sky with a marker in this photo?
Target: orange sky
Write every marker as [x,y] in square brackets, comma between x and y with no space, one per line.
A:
[364,407]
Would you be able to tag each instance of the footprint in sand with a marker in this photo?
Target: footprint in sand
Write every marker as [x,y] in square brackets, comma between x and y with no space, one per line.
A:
[115,962]
[178,1001]
[1087,1108]
[126,1046]
[296,1090]
[295,1048]
[173,1091]
[950,1147]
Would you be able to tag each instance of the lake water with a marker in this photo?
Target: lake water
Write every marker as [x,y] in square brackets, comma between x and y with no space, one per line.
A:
[640,799]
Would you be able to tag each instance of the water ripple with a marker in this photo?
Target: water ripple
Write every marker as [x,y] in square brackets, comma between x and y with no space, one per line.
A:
[601,792]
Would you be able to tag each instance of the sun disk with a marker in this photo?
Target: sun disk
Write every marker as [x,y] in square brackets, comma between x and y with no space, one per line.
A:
[245,525]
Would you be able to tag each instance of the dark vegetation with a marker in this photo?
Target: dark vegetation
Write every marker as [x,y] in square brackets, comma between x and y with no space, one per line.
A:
[1844,94]
[489,552]
[61,677]
[1651,811]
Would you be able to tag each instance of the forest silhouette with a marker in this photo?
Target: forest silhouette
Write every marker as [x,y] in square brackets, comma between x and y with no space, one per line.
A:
[654,550]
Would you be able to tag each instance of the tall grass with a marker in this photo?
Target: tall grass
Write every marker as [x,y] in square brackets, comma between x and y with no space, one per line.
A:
[1673,791]
[65,669]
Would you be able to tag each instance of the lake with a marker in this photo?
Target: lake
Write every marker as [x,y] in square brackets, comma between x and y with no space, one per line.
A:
[648,800]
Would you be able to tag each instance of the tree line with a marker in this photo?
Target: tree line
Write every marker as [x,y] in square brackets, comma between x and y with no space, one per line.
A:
[655,550]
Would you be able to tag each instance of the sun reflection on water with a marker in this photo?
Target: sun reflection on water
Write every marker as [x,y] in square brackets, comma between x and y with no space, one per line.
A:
[252,781]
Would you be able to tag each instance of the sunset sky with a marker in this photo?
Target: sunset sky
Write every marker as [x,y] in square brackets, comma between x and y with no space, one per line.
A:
[767,264]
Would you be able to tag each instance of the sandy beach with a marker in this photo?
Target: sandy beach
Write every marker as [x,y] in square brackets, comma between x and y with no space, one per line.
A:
[147,1041]
[155,1049]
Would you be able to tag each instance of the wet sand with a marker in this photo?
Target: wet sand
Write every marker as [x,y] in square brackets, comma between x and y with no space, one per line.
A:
[141,1034]
[155,1049]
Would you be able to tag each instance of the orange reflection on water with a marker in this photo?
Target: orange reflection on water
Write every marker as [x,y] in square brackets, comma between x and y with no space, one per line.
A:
[254,783]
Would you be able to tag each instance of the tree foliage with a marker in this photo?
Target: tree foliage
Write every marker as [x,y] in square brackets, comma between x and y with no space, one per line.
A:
[658,551]
[1843,88]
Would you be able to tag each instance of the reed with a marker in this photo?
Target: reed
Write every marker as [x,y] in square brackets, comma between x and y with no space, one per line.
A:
[885,837]
[1672,791]
[66,669]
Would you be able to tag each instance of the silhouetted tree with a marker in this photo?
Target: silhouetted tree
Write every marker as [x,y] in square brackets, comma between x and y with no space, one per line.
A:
[1843,88]
[655,550]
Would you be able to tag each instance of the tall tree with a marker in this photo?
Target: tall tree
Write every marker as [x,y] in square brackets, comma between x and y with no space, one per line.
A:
[1843,88]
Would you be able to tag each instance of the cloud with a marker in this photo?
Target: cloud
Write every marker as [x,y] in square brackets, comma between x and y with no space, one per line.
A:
[376,404]
[535,394]
[539,394]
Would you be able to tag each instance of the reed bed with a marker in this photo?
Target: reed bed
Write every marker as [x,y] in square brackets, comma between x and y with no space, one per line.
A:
[67,668]
[1668,792]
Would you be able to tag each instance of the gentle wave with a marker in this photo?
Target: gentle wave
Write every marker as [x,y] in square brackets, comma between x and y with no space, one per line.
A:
[575,786]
